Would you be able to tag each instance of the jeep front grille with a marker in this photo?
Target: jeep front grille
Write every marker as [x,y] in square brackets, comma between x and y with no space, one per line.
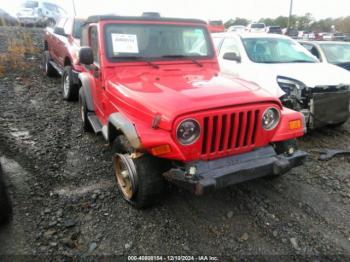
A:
[229,131]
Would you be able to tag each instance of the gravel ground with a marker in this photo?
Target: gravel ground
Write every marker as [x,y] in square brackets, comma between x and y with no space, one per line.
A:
[66,201]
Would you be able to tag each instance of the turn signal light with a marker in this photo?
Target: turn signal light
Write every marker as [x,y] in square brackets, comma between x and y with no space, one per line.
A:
[295,124]
[160,150]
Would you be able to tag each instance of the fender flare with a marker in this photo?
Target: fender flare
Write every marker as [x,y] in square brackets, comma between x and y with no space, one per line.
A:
[86,90]
[118,124]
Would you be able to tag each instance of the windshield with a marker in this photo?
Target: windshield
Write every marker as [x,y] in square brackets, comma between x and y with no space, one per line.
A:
[276,50]
[30,4]
[50,6]
[337,53]
[258,26]
[156,41]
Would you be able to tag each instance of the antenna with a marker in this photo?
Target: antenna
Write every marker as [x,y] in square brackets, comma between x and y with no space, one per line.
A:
[75,11]
[290,14]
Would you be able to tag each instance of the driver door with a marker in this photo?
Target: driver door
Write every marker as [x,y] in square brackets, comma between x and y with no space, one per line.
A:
[97,87]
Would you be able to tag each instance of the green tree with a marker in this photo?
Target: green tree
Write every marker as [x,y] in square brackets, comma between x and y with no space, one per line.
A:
[236,21]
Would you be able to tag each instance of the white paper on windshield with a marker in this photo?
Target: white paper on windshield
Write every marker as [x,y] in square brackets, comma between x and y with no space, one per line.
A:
[123,43]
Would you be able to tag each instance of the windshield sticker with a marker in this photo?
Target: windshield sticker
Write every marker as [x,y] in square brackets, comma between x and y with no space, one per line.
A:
[123,43]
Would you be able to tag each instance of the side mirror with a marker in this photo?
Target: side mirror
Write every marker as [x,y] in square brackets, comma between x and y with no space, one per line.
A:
[86,56]
[232,56]
[59,31]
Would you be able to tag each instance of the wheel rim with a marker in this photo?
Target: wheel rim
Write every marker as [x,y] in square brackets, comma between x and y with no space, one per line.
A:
[124,175]
[66,85]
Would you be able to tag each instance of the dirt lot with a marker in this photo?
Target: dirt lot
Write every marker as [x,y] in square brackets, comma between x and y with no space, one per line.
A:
[66,201]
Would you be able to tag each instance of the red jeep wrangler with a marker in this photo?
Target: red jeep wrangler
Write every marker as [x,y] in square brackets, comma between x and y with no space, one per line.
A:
[152,87]
[61,53]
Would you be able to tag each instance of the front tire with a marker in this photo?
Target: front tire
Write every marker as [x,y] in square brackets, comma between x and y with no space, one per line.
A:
[84,114]
[69,89]
[139,179]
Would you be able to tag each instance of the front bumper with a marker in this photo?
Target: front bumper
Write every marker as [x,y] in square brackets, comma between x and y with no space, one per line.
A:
[200,177]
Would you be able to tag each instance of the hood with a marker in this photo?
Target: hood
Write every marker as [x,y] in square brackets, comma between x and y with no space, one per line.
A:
[311,74]
[172,93]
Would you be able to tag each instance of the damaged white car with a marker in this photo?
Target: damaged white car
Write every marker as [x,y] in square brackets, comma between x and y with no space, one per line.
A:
[288,71]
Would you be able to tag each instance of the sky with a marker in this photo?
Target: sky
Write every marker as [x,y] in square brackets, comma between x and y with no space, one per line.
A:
[203,9]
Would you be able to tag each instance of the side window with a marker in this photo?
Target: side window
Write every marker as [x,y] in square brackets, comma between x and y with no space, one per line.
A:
[307,46]
[229,45]
[94,43]
[312,49]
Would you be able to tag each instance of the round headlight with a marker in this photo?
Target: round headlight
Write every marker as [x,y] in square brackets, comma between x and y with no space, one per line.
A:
[188,132]
[270,118]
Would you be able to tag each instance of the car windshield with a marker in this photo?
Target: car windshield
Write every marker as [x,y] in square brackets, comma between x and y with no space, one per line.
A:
[154,41]
[276,50]
[30,4]
[258,26]
[50,6]
[337,53]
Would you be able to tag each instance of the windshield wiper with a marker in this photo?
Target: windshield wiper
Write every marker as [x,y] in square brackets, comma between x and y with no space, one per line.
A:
[138,58]
[183,56]
[300,61]
[285,62]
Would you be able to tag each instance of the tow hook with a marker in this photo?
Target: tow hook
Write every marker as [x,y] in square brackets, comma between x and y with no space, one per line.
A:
[281,166]
[191,172]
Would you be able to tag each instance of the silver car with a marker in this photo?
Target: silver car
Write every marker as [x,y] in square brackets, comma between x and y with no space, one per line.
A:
[332,52]
[40,13]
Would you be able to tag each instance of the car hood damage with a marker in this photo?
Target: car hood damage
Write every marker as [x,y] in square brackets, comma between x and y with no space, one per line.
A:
[311,74]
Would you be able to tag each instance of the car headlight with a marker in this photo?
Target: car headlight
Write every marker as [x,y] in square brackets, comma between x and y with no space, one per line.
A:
[289,85]
[188,131]
[270,118]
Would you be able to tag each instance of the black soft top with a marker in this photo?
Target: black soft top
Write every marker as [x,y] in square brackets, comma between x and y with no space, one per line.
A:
[98,18]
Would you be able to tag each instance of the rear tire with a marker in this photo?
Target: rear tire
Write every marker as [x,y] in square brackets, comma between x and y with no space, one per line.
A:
[140,179]
[49,70]
[69,89]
